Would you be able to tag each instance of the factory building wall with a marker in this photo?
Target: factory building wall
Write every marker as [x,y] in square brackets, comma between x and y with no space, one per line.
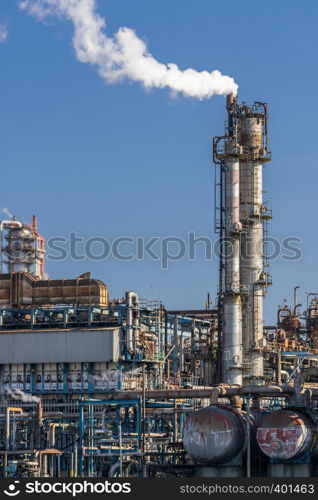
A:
[59,346]
[59,377]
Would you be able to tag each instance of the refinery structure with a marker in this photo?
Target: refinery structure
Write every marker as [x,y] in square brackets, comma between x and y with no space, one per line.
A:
[97,386]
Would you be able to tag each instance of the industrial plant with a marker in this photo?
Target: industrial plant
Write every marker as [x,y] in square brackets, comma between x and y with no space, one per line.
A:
[100,386]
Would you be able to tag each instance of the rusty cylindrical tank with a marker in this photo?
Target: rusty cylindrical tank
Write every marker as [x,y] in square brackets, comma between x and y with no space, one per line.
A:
[214,435]
[286,434]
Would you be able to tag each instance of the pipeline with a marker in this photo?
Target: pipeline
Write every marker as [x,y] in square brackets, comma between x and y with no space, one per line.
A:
[205,393]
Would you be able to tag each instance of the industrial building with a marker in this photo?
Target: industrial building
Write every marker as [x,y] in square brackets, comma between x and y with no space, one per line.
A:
[98,386]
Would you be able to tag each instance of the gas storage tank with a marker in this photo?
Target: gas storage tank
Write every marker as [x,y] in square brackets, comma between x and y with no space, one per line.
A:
[214,435]
[286,434]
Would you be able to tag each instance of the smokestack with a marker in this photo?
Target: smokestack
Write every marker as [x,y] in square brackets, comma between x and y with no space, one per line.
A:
[230,101]
[35,223]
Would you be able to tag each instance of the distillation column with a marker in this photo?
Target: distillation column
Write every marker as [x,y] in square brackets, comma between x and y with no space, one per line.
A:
[231,302]
[241,154]
[252,137]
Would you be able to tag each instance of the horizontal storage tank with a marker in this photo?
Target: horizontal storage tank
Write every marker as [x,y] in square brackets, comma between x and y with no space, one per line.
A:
[214,435]
[286,434]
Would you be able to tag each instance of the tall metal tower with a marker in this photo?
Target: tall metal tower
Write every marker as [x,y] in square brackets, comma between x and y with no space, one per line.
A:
[240,218]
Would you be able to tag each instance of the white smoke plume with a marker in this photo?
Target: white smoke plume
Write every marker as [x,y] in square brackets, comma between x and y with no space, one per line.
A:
[111,376]
[3,33]
[126,55]
[108,377]
[6,211]
[17,394]
[133,372]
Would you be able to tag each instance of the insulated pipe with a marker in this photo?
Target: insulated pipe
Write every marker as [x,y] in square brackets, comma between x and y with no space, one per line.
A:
[205,393]
[9,410]
[260,390]
[114,468]
[51,437]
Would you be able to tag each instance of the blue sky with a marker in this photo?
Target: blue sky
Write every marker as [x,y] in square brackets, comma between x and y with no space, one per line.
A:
[115,160]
